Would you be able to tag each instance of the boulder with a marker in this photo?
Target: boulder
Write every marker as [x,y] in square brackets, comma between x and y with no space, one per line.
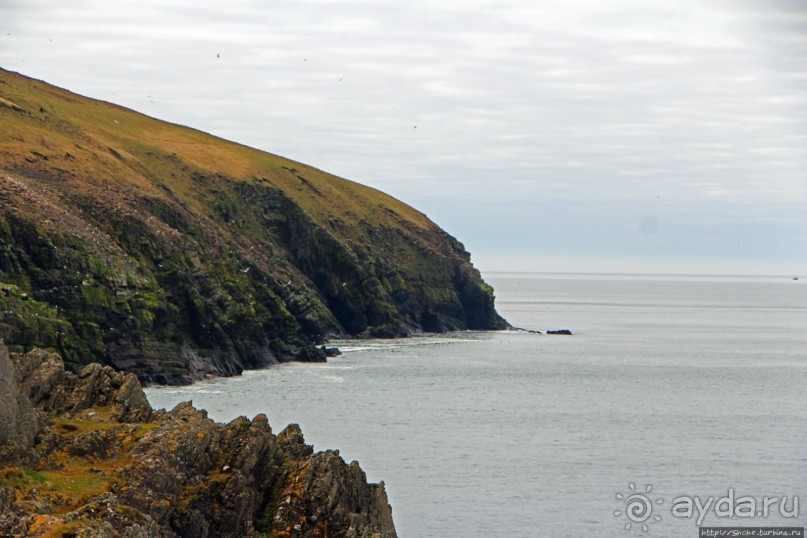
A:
[43,379]
[19,424]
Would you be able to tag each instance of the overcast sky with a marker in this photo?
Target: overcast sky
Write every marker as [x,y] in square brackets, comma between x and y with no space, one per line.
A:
[577,135]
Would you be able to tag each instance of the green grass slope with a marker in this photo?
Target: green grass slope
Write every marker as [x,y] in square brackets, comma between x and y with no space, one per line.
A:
[163,250]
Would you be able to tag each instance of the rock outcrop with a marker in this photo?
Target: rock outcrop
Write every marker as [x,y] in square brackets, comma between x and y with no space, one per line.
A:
[105,464]
[56,392]
[18,421]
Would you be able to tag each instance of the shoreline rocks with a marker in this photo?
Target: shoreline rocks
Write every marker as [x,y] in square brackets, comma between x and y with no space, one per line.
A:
[90,457]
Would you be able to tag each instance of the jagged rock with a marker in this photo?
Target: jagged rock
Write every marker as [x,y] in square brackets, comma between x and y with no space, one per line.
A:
[101,517]
[226,479]
[40,370]
[18,421]
[45,382]
[292,442]
[324,496]
[99,444]
[171,474]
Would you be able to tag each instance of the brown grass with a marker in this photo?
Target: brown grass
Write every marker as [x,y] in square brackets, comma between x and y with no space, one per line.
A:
[115,152]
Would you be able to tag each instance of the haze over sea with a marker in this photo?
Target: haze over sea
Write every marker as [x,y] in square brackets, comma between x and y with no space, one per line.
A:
[690,384]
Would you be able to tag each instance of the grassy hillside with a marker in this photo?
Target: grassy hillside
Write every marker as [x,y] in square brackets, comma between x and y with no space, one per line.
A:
[167,251]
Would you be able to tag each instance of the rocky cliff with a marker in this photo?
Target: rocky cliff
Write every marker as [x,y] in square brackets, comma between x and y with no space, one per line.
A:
[165,251]
[96,461]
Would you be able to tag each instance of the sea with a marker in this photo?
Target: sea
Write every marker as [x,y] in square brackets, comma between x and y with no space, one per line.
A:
[678,402]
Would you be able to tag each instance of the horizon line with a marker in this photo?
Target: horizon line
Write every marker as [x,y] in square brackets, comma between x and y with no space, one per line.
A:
[619,273]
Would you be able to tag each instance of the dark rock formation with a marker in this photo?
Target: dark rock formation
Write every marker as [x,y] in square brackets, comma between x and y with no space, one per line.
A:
[311,506]
[331,351]
[55,391]
[106,464]
[531,331]
[560,331]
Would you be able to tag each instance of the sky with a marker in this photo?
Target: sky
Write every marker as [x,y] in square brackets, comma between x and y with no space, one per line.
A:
[547,135]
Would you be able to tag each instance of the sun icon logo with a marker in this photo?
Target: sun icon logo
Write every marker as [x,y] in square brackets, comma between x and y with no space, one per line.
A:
[638,507]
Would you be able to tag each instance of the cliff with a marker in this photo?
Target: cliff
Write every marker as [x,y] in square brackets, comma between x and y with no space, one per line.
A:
[165,251]
[97,461]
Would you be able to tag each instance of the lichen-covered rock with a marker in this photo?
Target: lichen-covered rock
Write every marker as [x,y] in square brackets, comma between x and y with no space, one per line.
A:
[12,517]
[106,465]
[104,517]
[40,371]
[101,444]
[100,517]
[45,382]
[324,496]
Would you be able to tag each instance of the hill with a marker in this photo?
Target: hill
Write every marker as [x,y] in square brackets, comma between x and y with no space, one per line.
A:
[166,251]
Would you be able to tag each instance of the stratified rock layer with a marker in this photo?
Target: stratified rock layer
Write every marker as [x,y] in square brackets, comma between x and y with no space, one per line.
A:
[100,462]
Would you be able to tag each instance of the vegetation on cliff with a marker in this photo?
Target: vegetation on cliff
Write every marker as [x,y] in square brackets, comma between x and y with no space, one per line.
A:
[94,460]
[165,251]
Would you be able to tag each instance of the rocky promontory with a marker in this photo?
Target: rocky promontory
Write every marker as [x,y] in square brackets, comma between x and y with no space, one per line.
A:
[84,455]
[165,251]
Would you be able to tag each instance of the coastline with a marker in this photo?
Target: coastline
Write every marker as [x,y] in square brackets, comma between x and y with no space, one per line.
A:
[87,452]
[568,421]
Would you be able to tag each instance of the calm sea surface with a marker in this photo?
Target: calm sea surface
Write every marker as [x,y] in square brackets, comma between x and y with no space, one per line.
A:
[690,385]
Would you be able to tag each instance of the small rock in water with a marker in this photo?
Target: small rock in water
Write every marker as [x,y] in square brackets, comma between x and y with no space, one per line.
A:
[560,331]
[331,351]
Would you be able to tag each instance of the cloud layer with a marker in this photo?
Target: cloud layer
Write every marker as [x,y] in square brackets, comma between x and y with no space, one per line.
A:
[534,130]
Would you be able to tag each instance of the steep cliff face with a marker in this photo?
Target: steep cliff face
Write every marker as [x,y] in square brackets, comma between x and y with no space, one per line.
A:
[169,252]
[100,462]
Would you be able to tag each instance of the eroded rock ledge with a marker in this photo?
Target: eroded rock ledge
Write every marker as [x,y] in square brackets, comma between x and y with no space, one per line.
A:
[86,456]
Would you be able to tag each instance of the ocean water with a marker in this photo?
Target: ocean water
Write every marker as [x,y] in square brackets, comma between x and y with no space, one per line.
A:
[686,386]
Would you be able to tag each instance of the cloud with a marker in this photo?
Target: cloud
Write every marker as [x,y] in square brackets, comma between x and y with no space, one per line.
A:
[581,110]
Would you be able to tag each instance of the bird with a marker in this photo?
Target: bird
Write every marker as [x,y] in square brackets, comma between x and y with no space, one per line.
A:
[415,127]
[218,55]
